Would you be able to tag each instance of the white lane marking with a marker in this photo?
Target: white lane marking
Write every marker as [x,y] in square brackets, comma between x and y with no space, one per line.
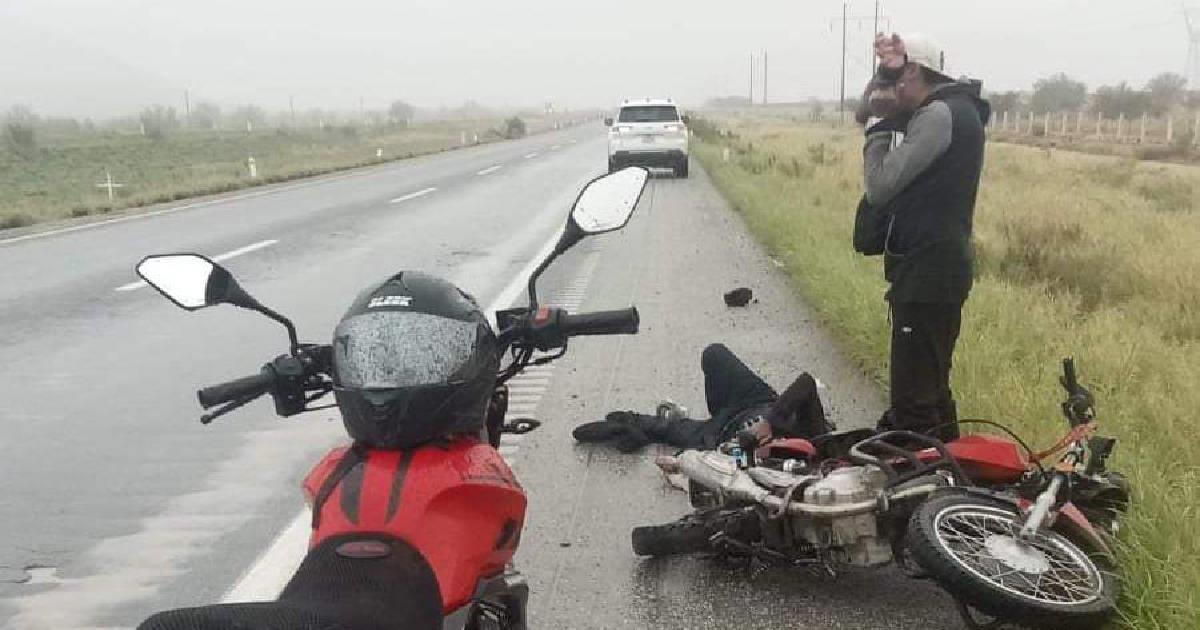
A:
[491,169]
[413,195]
[556,147]
[266,576]
[530,156]
[219,258]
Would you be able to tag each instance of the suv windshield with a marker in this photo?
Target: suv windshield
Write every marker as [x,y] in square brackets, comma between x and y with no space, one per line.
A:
[649,113]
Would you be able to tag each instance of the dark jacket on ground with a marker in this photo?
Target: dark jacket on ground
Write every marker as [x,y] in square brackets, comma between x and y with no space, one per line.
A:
[928,185]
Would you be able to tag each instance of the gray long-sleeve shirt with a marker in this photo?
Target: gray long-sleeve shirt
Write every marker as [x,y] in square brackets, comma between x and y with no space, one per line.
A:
[888,170]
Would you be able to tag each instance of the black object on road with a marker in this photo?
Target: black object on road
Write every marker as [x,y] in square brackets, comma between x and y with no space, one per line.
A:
[740,296]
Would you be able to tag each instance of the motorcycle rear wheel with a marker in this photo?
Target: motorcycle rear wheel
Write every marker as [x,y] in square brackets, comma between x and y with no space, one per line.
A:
[687,535]
[969,545]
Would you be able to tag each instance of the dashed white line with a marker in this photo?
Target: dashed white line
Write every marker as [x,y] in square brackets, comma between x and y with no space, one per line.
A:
[556,147]
[413,195]
[218,258]
[530,156]
[491,169]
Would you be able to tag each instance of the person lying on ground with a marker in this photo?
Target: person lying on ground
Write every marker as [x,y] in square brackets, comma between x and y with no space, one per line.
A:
[737,399]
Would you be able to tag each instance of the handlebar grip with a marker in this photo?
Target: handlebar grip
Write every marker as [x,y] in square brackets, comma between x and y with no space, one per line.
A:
[248,386]
[620,322]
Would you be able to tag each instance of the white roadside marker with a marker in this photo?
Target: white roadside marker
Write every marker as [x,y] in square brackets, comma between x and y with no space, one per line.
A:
[489,170]
[530,156]
[413,195]
[219,258]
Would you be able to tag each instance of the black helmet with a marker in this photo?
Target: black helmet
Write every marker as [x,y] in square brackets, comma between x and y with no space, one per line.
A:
[414,359]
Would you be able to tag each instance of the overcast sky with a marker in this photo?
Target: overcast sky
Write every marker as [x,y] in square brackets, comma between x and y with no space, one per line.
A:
[107,57]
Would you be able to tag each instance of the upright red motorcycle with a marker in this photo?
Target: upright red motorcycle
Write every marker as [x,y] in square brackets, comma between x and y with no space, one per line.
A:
[415,524]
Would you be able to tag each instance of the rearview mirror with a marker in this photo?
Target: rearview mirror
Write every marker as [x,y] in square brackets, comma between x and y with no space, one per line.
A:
[604,205]
[607,202]
[608,122]
[190,281]
[193,282]
[687,120]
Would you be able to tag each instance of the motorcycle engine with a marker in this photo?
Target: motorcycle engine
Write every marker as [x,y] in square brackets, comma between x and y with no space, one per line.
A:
[857,536]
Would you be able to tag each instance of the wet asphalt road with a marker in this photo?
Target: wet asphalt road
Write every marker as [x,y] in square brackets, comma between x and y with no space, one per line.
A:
[107,479]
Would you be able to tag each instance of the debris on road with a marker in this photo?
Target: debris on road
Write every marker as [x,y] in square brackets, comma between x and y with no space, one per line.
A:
[740,296]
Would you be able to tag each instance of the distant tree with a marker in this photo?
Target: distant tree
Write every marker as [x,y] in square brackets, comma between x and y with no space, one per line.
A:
[1114,100]
[206,115]
[158,121]
[1166,91]
[514,128]
[1058,93]
[20,130]
[248,116]
[816,109]
[727,101]
[400,113]
[1005,101]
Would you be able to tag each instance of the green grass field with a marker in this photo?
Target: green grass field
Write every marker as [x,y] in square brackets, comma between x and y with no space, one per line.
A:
[58,180]
[1077,255]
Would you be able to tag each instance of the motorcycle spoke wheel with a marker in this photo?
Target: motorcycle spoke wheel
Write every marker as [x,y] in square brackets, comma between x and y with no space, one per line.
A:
[1046,568]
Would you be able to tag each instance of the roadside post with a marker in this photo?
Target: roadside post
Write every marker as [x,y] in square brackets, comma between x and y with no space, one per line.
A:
[109,184]
[252,167]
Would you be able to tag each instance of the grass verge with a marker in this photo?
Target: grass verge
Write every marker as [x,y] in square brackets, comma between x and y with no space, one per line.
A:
[58,180]
[1082,256]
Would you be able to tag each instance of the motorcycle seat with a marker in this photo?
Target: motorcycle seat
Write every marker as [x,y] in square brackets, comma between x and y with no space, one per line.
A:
[331,591]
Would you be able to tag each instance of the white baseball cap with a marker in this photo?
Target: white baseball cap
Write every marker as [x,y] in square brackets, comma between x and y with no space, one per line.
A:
[923,51]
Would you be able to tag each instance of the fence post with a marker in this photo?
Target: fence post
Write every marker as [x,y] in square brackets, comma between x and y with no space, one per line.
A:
[1030,132]
[1046,126]
[1079,123]
[1142,135]
[1196,130]
[1121,127]
[1064,131]
[1004,126]
[1099,125]
[1170,128]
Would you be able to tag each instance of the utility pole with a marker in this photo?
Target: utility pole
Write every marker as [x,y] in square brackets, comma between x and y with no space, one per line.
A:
[842,98]
[857,19]
[187,110]
[1192,71]
[292,106]
[751,95]
[764,77]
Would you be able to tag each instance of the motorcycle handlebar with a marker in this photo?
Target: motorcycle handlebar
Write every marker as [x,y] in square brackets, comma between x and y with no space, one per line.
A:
[619,322]
[249,386]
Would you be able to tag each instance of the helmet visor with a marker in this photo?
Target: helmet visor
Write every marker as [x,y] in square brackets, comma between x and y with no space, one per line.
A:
[390,349]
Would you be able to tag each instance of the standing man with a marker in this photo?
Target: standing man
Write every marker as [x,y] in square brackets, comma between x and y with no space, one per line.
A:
[922,160]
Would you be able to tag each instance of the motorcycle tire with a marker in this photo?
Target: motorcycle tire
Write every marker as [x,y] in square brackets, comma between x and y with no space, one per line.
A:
[687,535]
[968,545]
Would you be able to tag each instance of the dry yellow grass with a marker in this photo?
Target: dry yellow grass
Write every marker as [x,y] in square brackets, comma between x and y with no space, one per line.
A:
[1078,255]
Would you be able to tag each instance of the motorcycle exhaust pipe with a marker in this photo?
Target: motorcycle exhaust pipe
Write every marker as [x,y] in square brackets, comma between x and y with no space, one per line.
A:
[719,472]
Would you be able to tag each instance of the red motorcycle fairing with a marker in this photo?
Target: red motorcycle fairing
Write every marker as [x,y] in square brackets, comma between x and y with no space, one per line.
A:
[985,458]
[457,503]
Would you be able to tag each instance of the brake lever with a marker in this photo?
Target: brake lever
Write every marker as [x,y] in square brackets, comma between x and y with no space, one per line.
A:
[241,402]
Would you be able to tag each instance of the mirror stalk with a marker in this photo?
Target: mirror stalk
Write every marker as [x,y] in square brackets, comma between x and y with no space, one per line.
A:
[571,235]
[234,294]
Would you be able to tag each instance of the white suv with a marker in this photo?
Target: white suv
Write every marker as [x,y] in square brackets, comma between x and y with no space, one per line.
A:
[648,132]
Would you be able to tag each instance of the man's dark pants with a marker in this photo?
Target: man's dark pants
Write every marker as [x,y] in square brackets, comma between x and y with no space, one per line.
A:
[923,338]
[730,388]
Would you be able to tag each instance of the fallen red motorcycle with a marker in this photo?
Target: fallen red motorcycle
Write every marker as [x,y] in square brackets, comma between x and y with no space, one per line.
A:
[1012,538]
[420,535]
